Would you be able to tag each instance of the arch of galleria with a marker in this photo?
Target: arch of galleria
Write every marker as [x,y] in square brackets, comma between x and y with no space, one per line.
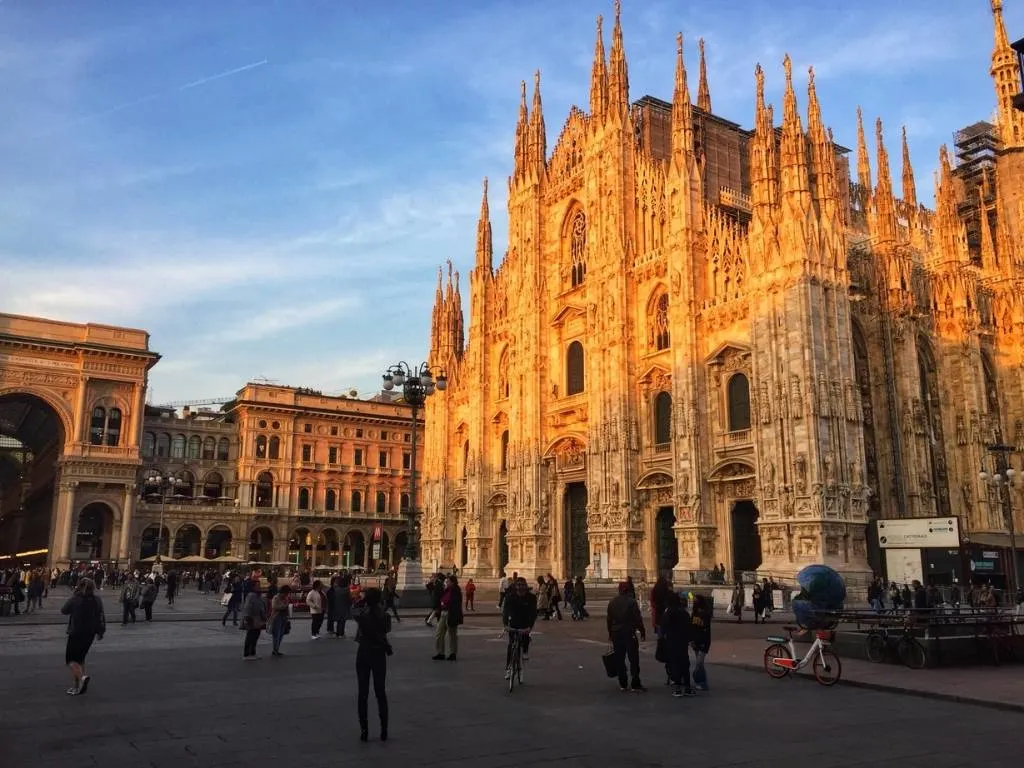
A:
[709,345]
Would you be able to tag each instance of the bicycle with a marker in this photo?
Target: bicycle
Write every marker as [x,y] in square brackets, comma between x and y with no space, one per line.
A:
[780,658]
[908,649]
[514,669]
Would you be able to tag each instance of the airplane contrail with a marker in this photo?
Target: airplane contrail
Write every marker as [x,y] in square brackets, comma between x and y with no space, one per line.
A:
[159,94]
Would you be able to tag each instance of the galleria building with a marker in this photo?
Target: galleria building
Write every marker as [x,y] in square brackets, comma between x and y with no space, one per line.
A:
[707,344]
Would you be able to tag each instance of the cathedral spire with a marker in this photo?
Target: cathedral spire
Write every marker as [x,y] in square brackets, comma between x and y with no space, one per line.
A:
[988,247]
[909,187]
[703,92]
[884,202]
[537,144]
[863,166]
[1006,75]
[951,236]
[764,185]
[521,137]
[484,246]
[618,76]
[793,156]
[599,77]
[1005,251]
[682,118]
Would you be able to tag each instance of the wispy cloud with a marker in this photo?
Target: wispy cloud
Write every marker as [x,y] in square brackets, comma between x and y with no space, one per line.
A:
[277,320]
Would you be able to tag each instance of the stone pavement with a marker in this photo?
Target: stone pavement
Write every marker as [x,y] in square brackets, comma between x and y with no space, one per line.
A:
[180,695]
[997,687]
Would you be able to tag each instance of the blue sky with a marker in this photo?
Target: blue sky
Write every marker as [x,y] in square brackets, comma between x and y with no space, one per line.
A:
[268,186]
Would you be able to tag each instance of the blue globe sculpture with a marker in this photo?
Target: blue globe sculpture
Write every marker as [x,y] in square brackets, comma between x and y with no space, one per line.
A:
[821,590]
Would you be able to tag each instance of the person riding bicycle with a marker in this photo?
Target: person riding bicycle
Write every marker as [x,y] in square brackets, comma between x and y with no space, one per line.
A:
[519,612]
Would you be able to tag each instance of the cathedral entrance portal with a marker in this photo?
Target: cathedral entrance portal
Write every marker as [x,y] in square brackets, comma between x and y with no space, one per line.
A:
[668,549]
[746,541]
[577,546]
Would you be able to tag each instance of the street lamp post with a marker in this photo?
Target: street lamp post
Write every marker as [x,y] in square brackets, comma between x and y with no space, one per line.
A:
[416,383]
[167,485]
[1003,480]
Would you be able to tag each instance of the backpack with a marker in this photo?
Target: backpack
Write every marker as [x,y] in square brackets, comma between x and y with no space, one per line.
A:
[131,592]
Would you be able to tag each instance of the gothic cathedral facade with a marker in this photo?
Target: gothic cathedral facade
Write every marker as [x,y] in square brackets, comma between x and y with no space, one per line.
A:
[710,345]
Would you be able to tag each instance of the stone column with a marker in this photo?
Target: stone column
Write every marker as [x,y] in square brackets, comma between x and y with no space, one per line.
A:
[80,415]
[60,550]
[126,524]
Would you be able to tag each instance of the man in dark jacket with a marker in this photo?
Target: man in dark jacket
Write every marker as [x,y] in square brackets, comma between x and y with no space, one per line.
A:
[624,622]
[518,612]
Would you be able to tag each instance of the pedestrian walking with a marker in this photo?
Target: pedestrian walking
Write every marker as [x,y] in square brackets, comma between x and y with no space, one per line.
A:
[470,592]
[86,622]
[391,597]
[234,603]
[675,642]
[129,599]
[624,622]
[280,621]
[446,636]
[148,597]
[700,639]
[254,621]
[372,660]
[315,601]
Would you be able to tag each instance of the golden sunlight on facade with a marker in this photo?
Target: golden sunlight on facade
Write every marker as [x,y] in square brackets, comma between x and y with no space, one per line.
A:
[707,344]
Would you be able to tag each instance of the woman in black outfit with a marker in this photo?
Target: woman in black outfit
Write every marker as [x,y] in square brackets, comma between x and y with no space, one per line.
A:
[372,658]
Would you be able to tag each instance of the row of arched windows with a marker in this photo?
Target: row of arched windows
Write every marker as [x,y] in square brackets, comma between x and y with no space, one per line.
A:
[183,483]
[162,445]
[105,426]
[355,501]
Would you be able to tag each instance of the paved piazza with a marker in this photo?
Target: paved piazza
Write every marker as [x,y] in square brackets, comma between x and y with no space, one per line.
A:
[177,693]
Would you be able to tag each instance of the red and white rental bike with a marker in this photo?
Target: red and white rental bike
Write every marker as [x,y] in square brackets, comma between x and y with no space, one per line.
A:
[780,657]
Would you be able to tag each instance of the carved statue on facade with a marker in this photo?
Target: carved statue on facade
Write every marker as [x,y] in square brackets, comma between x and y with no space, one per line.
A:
[856,477]
[800,467]
[961,430]
[765,406]
[796,396]
[830,469]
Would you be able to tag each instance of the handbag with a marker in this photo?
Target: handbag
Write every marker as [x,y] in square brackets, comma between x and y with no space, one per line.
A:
[661,650]
[287,626]
[225,599]
[611,667]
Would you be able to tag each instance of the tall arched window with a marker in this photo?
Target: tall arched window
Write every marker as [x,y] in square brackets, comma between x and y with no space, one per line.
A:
[331,500]
[382,503]
[213,485]
[504,451]
[163,445]
[738,394]
[209,449]
[303,498]
[662,418]
[265,490]
[574,375]
[659,336]
[105,426]
[404,502]
[178,447]
[113,426]
[261,447]
[503,388]
[578,249]
[149,445]
[195,447]
[357,501]
[465,459]
[96,425]
[223,449]
[275,447]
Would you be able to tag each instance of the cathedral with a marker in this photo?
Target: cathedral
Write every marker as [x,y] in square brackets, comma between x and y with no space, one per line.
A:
[712,345]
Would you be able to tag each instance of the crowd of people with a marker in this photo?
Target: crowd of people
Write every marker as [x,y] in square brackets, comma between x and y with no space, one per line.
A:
[886,595]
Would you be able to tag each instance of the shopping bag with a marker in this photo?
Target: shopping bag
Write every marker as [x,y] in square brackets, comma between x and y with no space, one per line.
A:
[611,668]
[225,599]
